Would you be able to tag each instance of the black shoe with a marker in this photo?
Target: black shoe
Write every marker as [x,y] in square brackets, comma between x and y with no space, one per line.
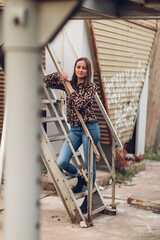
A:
[81,182]
[83,207]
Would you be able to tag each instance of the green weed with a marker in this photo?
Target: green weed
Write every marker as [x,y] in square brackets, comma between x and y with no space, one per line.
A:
[43,168]
[152,155]
[124,174]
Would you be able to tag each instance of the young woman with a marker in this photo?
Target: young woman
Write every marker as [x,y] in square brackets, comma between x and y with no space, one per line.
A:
[81,95]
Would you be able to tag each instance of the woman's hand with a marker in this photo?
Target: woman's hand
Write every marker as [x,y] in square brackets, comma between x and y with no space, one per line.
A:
[64,76]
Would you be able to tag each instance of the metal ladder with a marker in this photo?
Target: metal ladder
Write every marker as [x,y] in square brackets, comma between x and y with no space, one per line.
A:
[96,202]
[60,180]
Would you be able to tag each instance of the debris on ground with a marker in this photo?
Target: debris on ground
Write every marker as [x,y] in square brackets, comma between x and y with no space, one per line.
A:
[125,159]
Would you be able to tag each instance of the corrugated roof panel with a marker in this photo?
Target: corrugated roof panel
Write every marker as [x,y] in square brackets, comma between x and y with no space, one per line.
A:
[123,51]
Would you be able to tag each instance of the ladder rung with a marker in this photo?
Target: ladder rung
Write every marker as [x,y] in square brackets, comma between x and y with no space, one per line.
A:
[83,194]
[45,101]
[78,154]
[56,137]
[80,195]
[50,119]
[98,210]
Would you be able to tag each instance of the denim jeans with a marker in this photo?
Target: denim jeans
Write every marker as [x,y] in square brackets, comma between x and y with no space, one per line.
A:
[77,137]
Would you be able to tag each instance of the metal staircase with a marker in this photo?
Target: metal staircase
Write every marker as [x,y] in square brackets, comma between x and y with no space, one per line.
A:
[61,179]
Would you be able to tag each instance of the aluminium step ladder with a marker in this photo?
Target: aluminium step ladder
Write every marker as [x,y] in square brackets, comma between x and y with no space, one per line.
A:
[49,156]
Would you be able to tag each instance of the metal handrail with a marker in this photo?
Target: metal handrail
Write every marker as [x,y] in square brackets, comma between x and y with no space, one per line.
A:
[115,139]
[108,121]
[100,105]
[63,129]
[92,148]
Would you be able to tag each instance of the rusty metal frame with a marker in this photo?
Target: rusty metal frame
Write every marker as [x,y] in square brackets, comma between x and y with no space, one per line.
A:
[90,185]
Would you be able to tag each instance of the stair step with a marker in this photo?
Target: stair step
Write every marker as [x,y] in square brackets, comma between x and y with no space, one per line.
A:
[62,180]
[80,195]
[98,210]
[78,154]
[83,194]
[50,119]
[45,101]
[56,137]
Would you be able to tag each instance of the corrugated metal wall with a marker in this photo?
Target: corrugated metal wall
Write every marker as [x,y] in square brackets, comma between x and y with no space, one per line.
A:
[123,50]
[105,137]
[2,92]
[2,98]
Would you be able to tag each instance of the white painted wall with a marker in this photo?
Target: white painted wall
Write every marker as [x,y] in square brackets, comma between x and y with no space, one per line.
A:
[142,118]
[66,53]
[77,33]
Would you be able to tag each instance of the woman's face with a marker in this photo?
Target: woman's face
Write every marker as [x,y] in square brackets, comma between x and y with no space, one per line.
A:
[81,69]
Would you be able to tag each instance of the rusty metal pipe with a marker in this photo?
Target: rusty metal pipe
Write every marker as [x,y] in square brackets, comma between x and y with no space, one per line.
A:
[90,185]
[145,204]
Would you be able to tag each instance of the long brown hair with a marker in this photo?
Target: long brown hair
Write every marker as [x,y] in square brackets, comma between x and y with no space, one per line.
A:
[88,77]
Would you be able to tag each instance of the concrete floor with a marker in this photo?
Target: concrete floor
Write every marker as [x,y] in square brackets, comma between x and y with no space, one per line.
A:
[130,222]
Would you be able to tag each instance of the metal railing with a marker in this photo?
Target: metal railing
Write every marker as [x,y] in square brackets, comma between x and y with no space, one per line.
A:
[92,147]
[115,140]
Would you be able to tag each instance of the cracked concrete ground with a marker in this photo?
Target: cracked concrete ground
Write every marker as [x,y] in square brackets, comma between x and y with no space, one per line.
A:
[130,222]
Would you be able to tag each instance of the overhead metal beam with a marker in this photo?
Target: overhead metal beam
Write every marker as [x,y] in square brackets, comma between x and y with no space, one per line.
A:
[119,9]
[127,9]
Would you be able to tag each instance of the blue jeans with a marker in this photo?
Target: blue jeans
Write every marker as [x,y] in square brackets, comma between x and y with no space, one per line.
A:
[77,136]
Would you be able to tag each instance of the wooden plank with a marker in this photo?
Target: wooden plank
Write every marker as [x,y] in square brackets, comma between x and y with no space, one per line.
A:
[148,24]
[101,40]
[128,36]
[124,59]
[136,27]
[126,64]
[124,93]
[115,69]
[107,53]
[121,48]
[126,26]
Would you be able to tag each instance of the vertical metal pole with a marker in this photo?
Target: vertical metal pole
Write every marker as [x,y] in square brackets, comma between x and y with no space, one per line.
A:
[90,185]
[2,149]
[23,105]
[113,174]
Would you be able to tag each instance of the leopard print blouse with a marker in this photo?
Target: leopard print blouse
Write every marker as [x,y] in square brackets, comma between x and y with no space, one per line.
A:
[81,99]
